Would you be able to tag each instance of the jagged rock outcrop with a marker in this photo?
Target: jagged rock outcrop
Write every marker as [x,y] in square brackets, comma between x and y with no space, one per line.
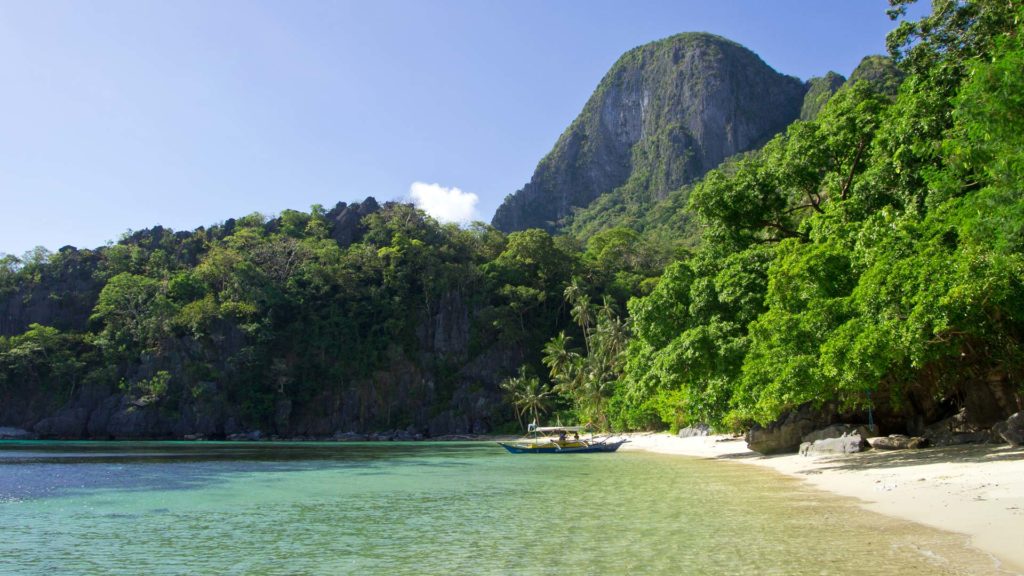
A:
[666,113]
[63,295]
[346,220]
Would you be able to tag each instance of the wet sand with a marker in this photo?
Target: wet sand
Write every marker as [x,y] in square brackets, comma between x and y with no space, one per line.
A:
[976,490]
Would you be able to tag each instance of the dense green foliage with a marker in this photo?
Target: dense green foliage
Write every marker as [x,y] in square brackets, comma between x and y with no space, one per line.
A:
[869,256]
[875,249]
[880,71]
[819,90]
[261,310]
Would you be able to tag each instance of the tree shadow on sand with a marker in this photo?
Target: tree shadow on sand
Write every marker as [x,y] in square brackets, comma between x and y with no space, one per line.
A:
[881,459]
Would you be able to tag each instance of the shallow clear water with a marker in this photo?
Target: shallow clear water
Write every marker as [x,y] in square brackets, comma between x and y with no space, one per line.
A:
[432,508]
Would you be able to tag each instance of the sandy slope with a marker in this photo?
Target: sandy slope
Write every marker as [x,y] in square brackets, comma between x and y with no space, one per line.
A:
[974,490]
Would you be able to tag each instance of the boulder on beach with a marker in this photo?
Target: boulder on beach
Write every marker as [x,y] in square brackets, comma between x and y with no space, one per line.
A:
[897,442]
[695,430]
[1012,429]
[850,443]
[955,430]
[785,434]
[838,431]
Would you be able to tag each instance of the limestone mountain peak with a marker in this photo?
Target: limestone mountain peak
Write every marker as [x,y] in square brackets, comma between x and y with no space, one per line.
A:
[664,114]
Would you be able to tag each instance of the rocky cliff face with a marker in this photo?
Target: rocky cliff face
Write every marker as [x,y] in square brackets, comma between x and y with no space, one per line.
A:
[434,382]
[347,220]
[62,296]
[443,390]
[666,113]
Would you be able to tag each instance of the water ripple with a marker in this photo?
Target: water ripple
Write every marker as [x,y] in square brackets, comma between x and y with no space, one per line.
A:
[436,509]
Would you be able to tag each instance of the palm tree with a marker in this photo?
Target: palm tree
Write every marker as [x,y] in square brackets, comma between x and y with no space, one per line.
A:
[610,340]
[581,312]
[527,394]
[557,356]
[593,396]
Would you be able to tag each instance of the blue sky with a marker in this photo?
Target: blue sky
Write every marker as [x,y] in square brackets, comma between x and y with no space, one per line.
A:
[121,115]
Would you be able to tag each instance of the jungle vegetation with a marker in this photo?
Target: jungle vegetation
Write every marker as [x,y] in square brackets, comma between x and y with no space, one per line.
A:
[871,250]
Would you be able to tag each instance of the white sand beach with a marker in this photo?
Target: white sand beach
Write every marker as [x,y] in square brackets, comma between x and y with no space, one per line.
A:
[976,490]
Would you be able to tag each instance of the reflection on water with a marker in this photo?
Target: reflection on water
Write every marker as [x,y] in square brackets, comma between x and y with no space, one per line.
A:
[432,508]
[30,469]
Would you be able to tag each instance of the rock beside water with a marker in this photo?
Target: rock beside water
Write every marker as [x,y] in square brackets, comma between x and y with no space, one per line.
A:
[348,437]
[248,436]
[8,433]
[67,423]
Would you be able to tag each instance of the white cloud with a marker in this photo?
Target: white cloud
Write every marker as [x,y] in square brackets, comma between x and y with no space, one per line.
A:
[445,204]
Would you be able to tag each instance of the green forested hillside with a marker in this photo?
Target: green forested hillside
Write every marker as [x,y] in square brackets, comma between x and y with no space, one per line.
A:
[870,257]
[364,318]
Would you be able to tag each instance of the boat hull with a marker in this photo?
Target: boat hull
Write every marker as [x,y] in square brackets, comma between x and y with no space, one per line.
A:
[552,448]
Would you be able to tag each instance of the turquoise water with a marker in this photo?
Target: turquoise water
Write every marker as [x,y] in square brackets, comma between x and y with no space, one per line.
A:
[431,508]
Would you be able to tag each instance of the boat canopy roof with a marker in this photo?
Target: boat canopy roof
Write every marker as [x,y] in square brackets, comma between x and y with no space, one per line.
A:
[560,428]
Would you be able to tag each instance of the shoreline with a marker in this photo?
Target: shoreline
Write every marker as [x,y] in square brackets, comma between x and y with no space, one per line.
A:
[974,490]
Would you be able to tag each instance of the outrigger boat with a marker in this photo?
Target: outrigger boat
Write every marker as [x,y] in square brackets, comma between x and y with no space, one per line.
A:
[560,440]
